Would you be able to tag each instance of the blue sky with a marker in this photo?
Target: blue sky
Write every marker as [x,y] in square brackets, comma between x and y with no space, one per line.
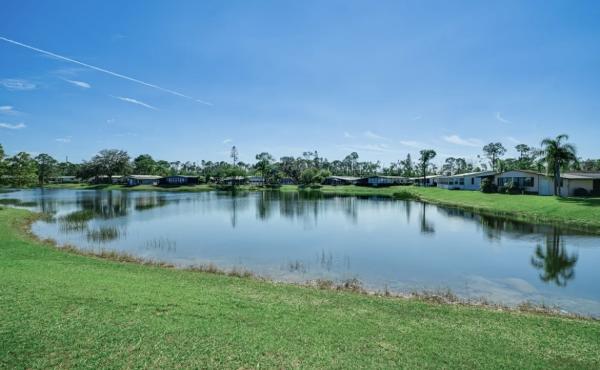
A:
[380,78]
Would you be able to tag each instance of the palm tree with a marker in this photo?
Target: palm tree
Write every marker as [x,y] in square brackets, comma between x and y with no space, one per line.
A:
[557,154]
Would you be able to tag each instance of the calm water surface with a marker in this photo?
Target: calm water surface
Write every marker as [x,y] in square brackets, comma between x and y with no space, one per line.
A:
[397,245]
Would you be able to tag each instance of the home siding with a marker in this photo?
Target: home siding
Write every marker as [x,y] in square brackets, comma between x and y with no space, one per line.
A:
[569,186]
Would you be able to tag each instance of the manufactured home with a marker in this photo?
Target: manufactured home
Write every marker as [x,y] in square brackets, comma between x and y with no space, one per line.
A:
[430,180]
[528,181]
[63,180]
[465,181]
[256,180]
[380,180]
[234,180]
[178,180]
[134,180]
[571,183]
[287,181]
[103,179]
[340,180]
[580,183]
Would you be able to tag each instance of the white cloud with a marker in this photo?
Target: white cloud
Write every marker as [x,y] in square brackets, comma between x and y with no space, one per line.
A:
[9,126]
[81,84]
[7,109]
[372,135]
[114,74]
[501,119]
[513,140]
[227,141]
[347,135]
[412,144]
[64,139]
[14,84]
[135,101]
[416,118]
[111,120]
[455,139]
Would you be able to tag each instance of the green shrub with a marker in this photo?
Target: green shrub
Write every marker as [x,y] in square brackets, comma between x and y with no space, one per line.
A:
[488,186]
[580,192]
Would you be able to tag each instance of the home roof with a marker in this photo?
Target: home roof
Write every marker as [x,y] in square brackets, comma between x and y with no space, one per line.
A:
[186,176]
[480,173]
[346,178]
[525,171]
[144,177]
[427,177]
[581,175]
[387,177]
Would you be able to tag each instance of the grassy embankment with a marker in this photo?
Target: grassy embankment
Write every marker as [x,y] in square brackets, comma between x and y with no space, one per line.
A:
[61,309]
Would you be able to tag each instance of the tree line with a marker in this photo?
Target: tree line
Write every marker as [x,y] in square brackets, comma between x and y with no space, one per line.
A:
[553,155]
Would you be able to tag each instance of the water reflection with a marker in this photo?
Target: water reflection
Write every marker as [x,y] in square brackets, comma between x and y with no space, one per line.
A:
[557,265]
[403,245]
[426,226]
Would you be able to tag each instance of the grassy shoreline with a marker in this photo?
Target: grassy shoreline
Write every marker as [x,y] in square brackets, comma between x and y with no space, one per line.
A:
[577,213]
[66,310]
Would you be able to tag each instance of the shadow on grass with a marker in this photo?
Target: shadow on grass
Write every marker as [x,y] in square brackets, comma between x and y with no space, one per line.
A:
[584,201]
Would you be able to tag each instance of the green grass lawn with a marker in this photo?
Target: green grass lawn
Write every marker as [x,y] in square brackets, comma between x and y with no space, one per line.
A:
[65,310]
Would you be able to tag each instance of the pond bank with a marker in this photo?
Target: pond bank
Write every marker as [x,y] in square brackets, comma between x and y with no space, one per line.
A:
[577,213]
[66,310]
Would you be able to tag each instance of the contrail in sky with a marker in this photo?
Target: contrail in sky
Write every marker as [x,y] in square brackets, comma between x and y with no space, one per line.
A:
[104,70]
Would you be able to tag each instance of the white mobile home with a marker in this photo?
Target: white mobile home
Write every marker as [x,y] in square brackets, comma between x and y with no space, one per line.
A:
[571,183]
[576,183]
[380,180]
[430,180]
[464,181]
[528,181]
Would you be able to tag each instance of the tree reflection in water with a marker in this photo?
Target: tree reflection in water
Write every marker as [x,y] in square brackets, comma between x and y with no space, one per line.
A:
[426,226]
[555,262]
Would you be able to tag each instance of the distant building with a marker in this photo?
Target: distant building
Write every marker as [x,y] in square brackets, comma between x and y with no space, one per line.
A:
[63,180]
[430,180]
[134,180]
[103,179]
[287,181]
[464,181]
[234,181]
[255,180]
[380,180]
[340,180]
[178,180]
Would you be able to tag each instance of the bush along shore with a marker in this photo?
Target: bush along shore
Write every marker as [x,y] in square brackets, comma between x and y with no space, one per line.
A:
[63,309]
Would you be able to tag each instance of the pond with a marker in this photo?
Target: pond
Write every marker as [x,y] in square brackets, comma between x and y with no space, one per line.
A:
[395,245]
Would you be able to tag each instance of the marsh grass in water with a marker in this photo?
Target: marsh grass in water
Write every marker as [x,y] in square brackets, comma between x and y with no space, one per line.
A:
[162,244]
[104,234]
